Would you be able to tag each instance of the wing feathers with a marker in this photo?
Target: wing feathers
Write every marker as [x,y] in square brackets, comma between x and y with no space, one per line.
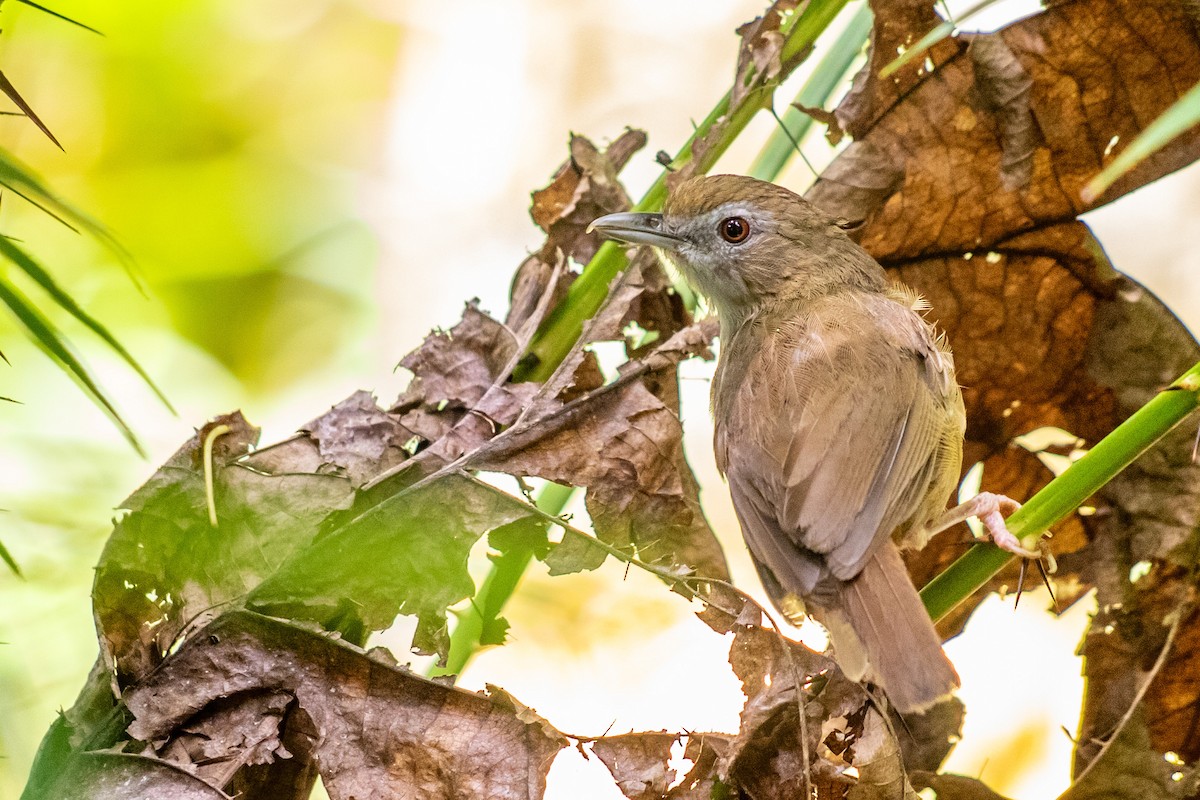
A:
[840,440]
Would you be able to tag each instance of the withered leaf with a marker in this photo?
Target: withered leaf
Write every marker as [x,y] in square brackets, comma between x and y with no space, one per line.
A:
[638,763]
[379,730]
[357,437]
[759,55]
[453,371]
[881,774]
[585,187]
[834,132]
[898,24]
[1078,55]
[460,395]
[768,755]
[580,187]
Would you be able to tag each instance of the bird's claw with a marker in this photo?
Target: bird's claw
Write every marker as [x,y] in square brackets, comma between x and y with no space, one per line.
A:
[1046,566]
[991,509]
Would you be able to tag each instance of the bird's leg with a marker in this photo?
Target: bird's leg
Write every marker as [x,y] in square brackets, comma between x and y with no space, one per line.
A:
[990,509]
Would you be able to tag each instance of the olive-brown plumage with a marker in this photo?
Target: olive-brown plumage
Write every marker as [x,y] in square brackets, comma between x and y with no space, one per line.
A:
[839,424]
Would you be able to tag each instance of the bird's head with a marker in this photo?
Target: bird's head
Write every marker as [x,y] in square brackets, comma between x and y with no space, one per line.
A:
[741,241]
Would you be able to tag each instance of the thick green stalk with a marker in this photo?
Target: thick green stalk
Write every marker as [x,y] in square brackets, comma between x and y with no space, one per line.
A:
[1067,491]
[557,335]
[815,92]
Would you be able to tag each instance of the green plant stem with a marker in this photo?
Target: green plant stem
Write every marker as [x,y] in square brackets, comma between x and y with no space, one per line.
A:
[496,589]
[1067,492]
[557,335]
[815,92]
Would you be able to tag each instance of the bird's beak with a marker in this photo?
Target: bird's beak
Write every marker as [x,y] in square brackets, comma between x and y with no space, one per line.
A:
[635,228]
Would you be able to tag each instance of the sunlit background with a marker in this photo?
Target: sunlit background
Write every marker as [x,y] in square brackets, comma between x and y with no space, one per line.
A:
[307,188]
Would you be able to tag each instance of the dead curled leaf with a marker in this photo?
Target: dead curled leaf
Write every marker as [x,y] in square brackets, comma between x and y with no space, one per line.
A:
[374,730]
[759,55]
[584,187]
[841,748]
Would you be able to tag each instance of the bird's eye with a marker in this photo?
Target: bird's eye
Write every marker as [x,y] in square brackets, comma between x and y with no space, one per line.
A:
[734,229]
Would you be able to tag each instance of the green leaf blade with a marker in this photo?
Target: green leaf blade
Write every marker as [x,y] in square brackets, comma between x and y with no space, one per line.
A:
[39,275]
[44,335]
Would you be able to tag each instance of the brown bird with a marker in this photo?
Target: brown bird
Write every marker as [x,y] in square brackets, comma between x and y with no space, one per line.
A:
[839,424]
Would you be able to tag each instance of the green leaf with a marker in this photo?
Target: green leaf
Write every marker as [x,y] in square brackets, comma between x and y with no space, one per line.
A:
[54,344]
[63,17]
[30,267]
[7,558]
[1182,115]
[26,184]
[11,92]
[407,555]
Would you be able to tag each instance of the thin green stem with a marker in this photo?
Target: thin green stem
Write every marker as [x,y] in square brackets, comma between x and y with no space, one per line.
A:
[1067,492]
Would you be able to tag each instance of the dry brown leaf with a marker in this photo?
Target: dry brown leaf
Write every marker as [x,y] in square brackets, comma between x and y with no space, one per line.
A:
[453,371]
[898,25]
[359,439]
[583,185]
[881,774]
[638,762]
[759,55]
[378,730]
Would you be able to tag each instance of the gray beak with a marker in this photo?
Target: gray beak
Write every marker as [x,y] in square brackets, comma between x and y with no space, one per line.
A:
[635,228]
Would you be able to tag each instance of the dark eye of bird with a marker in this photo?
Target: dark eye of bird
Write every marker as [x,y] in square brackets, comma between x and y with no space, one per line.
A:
[734,229]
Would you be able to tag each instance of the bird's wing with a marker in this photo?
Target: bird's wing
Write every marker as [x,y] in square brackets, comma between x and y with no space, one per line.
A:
[849,425]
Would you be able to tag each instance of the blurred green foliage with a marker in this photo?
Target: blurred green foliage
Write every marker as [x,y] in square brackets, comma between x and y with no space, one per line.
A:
[229,146]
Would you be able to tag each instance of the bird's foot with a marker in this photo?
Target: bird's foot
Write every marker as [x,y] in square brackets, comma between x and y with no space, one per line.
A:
[991,510]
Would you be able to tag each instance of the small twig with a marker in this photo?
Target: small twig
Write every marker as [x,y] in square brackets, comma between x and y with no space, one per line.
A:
[1181,611]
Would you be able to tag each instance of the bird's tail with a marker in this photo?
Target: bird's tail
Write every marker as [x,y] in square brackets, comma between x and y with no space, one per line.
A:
[882,631]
